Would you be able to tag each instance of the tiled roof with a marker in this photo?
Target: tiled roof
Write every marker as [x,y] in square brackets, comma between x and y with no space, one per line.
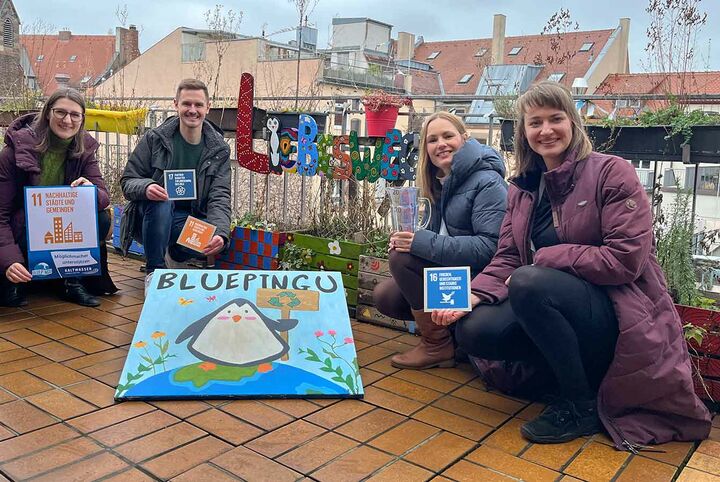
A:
[660,83]
[93,54]
[459,57]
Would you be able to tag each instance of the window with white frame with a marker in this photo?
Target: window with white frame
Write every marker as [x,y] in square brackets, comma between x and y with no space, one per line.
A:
[515,50]
[481,52]
[556,77]
[433,55]
[73,58]
[465,79]
[40,58]
[586,46]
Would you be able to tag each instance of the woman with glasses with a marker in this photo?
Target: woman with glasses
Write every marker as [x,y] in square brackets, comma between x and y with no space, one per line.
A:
[48,149]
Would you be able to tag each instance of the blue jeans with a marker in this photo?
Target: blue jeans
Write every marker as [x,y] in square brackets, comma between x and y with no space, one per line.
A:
[161,227]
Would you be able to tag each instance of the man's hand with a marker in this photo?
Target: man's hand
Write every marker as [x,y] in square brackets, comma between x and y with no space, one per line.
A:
[155,192]
[401,241]
[17,273]
[80,181]
[214,246]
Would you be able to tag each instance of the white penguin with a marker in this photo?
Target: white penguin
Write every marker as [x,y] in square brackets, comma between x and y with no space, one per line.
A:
[237,334]
[274,125]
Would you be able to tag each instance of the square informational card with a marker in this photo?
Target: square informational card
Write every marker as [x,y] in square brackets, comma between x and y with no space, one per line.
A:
[62,231]
[196,234]
[447,288]
[180,184]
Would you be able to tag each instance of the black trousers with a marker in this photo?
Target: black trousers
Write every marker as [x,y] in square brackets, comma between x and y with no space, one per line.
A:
[395,296]
[556,321]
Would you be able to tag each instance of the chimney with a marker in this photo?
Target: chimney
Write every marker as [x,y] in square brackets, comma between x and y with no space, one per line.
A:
[623,61]
[405,46]
[126,44]
[64,35]
[498,40]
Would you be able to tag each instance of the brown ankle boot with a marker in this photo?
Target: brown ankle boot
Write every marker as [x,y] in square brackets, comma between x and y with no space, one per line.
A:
[434,350]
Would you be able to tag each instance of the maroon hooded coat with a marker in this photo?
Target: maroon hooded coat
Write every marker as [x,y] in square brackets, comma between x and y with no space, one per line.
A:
[20,167]
[603,219]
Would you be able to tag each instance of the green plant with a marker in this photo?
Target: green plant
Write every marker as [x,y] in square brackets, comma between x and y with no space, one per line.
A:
[294,257]
[378,244]
[253,221]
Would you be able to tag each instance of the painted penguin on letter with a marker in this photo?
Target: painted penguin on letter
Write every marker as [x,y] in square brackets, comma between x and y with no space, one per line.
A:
[237,334]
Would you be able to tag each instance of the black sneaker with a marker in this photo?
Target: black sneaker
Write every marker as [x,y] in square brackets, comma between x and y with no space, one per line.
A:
[562,421]
[12,296]
[76,293]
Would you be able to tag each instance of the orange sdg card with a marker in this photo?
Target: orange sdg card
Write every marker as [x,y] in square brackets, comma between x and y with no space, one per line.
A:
[196,234]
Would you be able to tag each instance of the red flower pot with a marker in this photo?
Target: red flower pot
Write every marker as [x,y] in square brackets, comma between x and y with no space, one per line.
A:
[382,120]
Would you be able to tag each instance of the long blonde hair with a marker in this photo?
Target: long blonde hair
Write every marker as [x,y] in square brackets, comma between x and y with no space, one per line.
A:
[556,96]
[426,179]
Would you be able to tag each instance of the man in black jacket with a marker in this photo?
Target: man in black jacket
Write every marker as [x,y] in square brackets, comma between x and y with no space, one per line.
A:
[187,141]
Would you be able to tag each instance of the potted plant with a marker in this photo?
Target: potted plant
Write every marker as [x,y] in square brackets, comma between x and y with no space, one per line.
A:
[254,244]
[381,111]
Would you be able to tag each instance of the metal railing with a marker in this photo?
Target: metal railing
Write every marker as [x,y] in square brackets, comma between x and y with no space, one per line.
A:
[381,78]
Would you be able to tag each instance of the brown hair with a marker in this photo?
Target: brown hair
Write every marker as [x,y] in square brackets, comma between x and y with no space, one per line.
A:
[192,84]
[41,125]
[427,180]
[556,96]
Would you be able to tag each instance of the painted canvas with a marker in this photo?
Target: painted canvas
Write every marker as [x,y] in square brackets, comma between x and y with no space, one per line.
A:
[242,334]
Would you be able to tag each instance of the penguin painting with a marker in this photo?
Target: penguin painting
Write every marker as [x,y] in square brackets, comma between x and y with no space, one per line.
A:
[237,334]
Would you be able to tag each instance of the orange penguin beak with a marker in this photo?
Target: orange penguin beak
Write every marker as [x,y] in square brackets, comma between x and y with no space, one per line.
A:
[236,318]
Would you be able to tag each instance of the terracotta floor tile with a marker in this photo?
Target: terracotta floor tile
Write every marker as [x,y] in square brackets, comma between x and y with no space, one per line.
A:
[401,470]
[440,451]
[372,354]
[368,338]
[50,458]
[6,396]
[339,413]
[128,327]
[597,462]
[37,440]
[471,410]
[249,465]
[23,384]
[531,411]
[104,368]
[7,346]
[56,351]
[370,376]
[453,423]
[710,447]
[111,379]
[641,469]
[24,364]
[370,425]
[78,323]
[225,426]
[58,374]
[94,468]
[510,465]
[464,471]
[317,452]
[185,458]
[381,331]
[487,399]
[134,428]
[60,404]
[25,337]
[353,466]
[385,399]
[94,392]
[205,473]
[96,358]
[460,374]
[404,437]
[692,475]
[427,380]
[408,389]
[183,408]
[285,438]
[704,462]
[395,346]
[109,319]
[295,407]
[53,330]
[6,433]
[22,417]
[112,336]
[158,442]
[675,452]
[110,416]
[14,355]
[257,414]
[383,366]
[552,456]
[86,343]
[508,438]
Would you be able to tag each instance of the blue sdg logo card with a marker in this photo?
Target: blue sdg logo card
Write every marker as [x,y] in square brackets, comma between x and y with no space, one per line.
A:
[447,288]
[180,184]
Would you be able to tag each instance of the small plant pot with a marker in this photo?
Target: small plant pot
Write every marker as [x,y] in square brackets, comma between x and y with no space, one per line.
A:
[382,120]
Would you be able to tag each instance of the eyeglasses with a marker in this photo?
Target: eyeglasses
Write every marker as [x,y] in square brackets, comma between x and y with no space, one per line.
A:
[60,114]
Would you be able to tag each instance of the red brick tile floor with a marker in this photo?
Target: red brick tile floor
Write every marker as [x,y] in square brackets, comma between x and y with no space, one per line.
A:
[59,364]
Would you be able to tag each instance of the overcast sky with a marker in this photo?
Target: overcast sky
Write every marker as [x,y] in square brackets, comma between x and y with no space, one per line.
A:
[461,19]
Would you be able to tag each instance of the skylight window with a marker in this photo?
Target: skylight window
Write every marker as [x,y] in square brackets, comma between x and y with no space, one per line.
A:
[40,57]
[515,51]
[556,77]
[586,46]
[481,52]
[433,55]
[73,58]
[465,79]
[85,79]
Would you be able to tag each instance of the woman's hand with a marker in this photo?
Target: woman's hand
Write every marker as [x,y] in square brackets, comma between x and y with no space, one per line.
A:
[80,181]
[401,241]
[448,317]
[17,273]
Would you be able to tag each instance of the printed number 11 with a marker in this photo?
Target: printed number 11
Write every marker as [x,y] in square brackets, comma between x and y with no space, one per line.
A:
[37,199]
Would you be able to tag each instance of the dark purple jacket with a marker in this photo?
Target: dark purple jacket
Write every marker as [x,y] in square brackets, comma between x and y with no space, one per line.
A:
[603,219]
[20,167]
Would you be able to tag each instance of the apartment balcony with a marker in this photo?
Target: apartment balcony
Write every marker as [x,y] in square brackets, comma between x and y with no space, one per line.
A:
[356,76]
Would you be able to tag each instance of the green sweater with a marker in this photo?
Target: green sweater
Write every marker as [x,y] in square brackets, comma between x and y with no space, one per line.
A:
[52,163]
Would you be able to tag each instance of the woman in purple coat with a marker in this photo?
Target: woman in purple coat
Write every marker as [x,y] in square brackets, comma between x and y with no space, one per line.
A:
[48,149]
[575,292]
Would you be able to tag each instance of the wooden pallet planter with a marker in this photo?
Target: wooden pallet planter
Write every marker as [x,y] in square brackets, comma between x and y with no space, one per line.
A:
[252,249]
[705,357]
[372,272]
[333,255]
[135,247]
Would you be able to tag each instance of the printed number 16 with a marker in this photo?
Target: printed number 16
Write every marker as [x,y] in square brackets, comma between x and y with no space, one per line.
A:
[433,277]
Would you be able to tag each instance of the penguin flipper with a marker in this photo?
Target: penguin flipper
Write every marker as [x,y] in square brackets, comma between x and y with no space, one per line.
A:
[285,324]
[191,330]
